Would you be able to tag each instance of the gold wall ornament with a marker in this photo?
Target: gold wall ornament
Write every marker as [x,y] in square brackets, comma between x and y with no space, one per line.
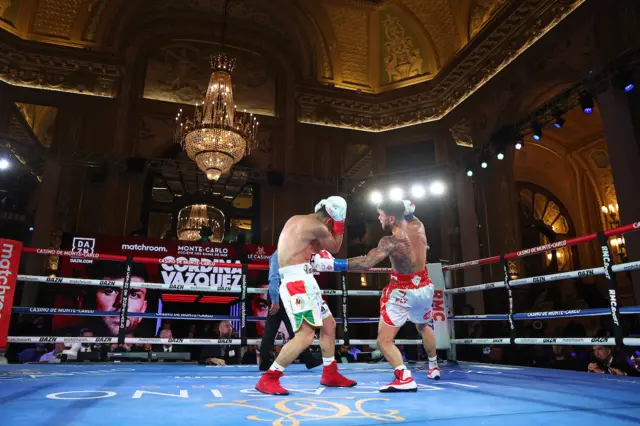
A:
[461,133]
[403,60]
[217,137]
[192,220]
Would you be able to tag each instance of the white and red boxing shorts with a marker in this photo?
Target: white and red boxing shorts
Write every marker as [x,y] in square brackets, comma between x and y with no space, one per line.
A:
[407,297]
[301,296]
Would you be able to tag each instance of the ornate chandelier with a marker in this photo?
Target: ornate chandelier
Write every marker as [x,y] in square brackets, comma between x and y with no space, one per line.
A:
[217,137]
[198,221]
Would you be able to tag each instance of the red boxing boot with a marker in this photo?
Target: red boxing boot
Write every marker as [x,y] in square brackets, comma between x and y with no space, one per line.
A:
[332,378]
[269,383]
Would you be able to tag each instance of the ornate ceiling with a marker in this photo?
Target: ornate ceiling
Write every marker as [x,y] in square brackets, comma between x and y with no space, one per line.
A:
[347,55]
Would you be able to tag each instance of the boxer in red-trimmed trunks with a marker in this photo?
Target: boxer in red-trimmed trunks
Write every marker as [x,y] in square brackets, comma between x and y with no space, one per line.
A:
[410,291]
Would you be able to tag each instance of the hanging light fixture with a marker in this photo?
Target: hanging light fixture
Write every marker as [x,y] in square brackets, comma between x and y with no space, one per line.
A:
[217,137]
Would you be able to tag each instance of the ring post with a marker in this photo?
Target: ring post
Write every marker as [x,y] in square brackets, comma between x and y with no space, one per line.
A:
[345,311]
[507,280]
[613,287]
[448,284]
[243,305]
[124,305]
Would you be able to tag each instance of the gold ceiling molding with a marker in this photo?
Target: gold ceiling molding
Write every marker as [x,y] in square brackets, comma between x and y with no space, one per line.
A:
[369,4]
[350,27]
[55,18]
[441,23]
[88,75]
[525,25]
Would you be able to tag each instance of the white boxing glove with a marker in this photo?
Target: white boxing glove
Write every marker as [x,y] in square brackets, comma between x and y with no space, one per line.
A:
[409,208]
[337,208]
[323,261]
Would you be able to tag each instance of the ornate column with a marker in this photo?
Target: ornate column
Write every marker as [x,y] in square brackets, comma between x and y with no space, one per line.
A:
[621,122]
[501,233]
[468,222]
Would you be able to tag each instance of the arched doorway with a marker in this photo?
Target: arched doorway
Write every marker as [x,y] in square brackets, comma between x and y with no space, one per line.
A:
[544,220]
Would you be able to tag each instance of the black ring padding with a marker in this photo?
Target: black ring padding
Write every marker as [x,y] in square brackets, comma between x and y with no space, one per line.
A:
[345,308]
[124,305]
[612,283]
[507,280]
[243,304]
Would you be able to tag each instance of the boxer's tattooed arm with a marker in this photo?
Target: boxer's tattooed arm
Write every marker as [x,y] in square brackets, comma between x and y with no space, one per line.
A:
[386,246]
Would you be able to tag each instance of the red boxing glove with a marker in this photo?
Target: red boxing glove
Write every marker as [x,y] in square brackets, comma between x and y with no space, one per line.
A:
[338,227]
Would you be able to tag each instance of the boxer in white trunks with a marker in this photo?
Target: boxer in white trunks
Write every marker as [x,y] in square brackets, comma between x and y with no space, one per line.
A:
[408,296]
[301,296]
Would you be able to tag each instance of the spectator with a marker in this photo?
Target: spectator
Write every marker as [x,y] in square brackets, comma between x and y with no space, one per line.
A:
[343,355]
[250,357]
[608,362]
[167,334]
[192,332]
[225,354]
[564,359]
[3,359]
[54,355]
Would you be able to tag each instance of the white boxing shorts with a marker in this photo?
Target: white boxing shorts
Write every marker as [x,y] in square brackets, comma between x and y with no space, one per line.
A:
[301,296]
[407,297]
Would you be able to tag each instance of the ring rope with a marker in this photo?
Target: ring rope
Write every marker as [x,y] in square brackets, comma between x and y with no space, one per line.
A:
[627,310]
[177,316]
[157,340]
[622,267]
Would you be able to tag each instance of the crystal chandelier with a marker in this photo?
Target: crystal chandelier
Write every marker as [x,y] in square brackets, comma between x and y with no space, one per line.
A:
[193,220]
[217,137]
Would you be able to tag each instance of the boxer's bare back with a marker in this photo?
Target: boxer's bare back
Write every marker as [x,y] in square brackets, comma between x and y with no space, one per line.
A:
[302,236]
[418,237]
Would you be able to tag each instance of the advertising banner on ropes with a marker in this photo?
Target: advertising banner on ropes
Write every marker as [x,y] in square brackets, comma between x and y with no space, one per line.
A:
[150,282]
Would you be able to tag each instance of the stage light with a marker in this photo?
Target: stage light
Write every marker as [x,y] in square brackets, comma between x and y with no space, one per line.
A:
[417,191]
[519,145]
[537,130]
[559,123]
[586,102]
[437,188]
[4,164]
[396,194]
[625,80]
[484,164]
[469,172]
[375,197]
[31,229]
[500,156]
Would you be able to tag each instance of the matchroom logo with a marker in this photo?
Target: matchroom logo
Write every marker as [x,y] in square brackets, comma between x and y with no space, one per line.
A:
[9,263]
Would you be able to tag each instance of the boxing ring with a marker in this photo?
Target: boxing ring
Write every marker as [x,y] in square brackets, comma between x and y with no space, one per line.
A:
[468,392]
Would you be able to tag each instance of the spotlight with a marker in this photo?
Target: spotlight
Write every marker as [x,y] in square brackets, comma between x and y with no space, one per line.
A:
[469,172]
[519,145]
[437,188]
[396,194]
[586,102]
[537,130]
[375,197]
[417,191]
[4,164]
[625,80]
[559,123]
